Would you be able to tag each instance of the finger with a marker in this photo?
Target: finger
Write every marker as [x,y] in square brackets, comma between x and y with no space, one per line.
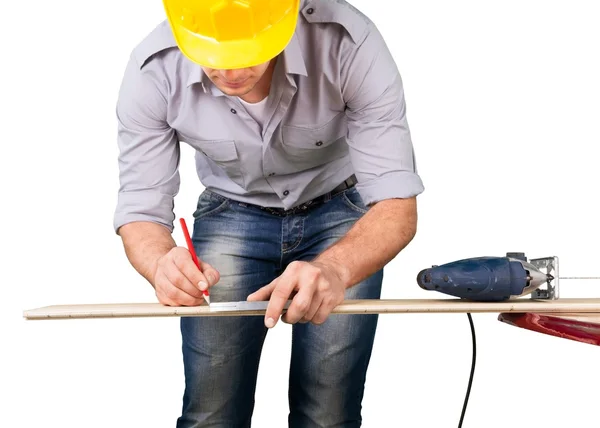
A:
[300,304]
[211,274]
[279,298]
[182,298]
[184,263]
[262,293]
[314,307]
[167,293]
[323,312]
[163,299]
[173,296]
[175,276]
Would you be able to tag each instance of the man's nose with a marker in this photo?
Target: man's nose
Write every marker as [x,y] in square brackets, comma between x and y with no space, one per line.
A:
[233,75]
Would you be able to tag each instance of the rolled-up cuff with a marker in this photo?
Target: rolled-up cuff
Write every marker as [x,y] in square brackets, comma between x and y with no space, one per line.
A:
[144,205]
[398,184]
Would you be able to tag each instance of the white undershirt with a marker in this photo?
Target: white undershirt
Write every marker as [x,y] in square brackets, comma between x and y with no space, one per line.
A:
[257,110]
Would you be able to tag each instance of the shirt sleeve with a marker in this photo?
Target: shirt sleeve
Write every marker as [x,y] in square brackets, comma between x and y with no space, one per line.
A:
[149,150]
[379,138]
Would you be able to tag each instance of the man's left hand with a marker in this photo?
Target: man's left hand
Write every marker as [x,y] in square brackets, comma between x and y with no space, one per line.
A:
[318,289]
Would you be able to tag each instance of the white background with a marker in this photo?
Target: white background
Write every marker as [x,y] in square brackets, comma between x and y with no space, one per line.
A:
[503,106]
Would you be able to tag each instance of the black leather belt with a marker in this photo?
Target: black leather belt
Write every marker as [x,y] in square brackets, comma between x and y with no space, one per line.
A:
[346,184]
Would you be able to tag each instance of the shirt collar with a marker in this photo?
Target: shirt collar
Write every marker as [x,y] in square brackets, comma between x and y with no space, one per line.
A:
[292,60]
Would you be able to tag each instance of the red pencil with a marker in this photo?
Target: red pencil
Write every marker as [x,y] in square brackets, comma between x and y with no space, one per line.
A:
[190,246]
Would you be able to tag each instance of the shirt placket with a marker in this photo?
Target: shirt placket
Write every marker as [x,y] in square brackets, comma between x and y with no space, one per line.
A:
[285,96]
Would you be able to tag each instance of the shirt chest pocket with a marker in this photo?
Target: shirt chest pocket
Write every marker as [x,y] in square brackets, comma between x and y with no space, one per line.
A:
[318,145]
[222,157]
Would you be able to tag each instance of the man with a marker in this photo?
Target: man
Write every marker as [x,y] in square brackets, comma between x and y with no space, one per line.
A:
[296,111]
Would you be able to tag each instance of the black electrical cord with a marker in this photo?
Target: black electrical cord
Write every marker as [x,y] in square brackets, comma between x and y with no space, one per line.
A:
[462,415]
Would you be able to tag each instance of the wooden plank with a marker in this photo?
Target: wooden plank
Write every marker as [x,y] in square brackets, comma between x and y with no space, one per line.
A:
[383,306]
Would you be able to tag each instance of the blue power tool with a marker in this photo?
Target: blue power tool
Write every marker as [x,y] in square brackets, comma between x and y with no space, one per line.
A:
[493,278]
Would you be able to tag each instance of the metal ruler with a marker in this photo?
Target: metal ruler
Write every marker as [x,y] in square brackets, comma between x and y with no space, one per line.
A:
[241,306]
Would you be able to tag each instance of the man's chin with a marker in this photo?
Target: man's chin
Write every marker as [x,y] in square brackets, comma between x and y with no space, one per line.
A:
[235,92]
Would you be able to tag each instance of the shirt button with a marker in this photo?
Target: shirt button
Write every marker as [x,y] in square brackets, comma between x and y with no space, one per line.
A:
[319,143]
[233,111]
[287,192]
[310,10]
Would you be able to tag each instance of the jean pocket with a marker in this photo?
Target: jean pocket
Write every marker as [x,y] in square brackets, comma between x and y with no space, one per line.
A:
[353,200]
[209,203]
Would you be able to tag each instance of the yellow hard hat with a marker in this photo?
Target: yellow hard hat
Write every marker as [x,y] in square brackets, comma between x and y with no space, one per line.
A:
[230,34]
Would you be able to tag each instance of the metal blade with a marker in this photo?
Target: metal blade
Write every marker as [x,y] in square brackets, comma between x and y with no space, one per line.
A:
[241,306]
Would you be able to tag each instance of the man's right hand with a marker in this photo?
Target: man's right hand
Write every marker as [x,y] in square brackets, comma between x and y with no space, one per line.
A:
[170,269]
[177,280]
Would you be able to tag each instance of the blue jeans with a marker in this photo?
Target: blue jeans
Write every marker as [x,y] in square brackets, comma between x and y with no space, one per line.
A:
[250,247]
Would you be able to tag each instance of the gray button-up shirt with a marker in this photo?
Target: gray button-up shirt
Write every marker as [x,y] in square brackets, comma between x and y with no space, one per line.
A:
[336,107]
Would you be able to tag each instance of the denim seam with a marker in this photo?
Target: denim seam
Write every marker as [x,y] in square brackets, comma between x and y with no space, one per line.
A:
[281,244]
[352,205]
[214,195]
[298,241]
[216,210]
